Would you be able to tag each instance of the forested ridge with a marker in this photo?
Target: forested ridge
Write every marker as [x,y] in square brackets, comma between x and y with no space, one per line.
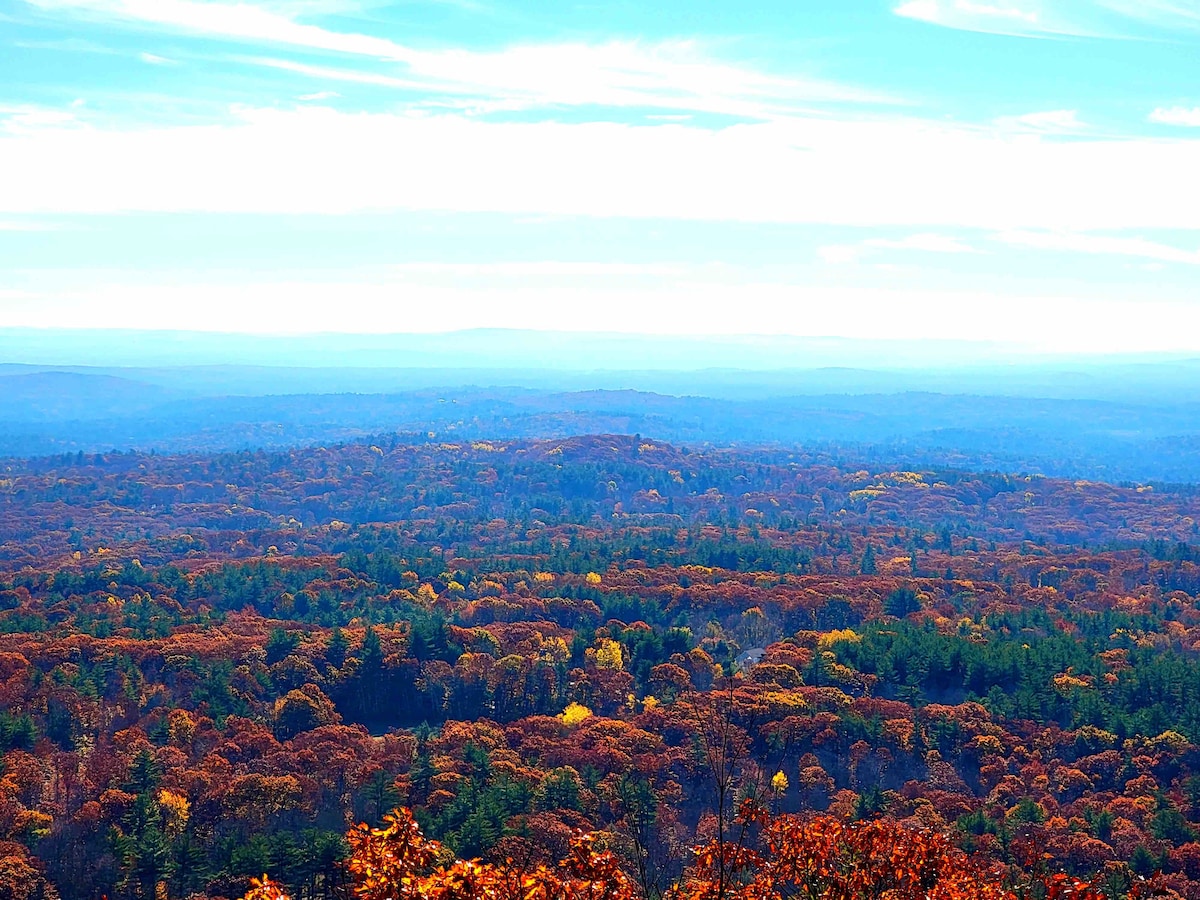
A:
[1131,424]
[214,665]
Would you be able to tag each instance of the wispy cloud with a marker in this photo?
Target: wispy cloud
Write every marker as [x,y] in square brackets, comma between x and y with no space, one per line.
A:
[668,74]
[1163,13]
[924,242]
[1027,18]
[1057,18]
[28,119]
[1100,244]
[69,45]
[329,73]
[1177,115]
[1054,121]
[79,45]
[235,21]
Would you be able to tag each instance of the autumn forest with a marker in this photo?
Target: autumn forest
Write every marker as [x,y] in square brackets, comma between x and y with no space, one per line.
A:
[604,666]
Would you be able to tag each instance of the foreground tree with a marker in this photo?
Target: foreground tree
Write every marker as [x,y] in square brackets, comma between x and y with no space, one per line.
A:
[397,862]
[818,858]
[822,858]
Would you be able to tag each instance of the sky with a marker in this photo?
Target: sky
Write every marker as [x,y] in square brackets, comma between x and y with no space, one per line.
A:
[1015,171]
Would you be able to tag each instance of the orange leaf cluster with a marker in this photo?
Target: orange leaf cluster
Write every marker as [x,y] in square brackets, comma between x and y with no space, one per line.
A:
[816,858]
[397,862]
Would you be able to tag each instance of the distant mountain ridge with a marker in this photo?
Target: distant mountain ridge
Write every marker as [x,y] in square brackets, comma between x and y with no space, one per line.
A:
[1123,418]
[53,412]
[52,396]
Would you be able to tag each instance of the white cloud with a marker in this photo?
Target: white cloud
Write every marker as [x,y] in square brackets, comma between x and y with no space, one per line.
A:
[1027,18]
[319,95]
[1057,18]
[1164,13]
[839,254]
[895,172]
[928,243]
[328,73]
[1054,121]
[155,60]
[1099,244]
[671,74]
[239,21]
[25,119]
[940,10]
[1177,115]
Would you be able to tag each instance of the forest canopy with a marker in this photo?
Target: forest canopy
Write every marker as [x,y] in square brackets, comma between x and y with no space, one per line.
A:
[604,649]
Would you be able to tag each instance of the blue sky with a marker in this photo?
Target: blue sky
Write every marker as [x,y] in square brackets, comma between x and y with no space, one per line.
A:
[1024,171]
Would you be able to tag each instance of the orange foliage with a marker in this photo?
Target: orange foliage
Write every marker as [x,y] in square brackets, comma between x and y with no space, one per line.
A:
[818,858]
[397,862]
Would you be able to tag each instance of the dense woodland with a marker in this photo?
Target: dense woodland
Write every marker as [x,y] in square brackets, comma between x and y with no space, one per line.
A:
[213,666]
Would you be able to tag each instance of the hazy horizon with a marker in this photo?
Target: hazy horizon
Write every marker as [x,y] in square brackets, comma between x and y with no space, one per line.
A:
[532,349]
